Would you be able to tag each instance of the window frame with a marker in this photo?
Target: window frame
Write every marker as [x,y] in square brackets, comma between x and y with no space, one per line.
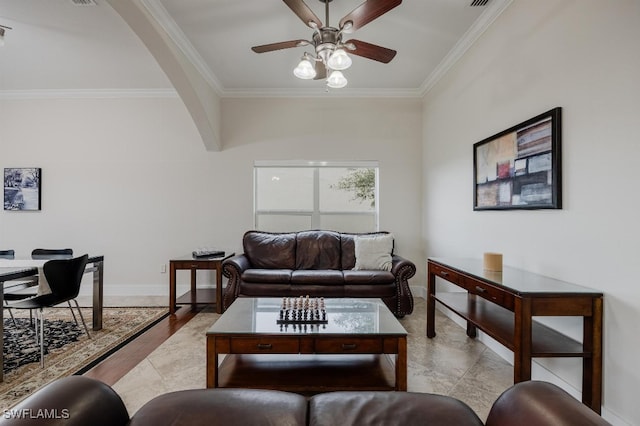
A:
[315,214]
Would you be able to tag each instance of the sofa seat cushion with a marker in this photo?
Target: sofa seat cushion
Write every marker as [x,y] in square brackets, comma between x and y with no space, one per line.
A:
[324,277]
[279,276]
[223,407]
[368,277]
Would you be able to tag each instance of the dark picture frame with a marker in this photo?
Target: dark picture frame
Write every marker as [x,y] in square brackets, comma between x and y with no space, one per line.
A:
[22,188]
[520,168]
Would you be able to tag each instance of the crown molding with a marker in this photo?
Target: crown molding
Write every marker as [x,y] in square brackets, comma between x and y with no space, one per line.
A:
[171,28]
[478,28]
[322,93]
[87,94]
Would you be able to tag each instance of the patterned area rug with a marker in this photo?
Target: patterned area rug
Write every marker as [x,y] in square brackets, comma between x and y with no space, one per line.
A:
[20,346]
[69,349]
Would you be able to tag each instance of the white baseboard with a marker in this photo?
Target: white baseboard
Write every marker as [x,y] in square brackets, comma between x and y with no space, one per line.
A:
[419,291]
[137,289]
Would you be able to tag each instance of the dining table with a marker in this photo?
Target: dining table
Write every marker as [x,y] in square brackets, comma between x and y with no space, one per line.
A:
[13,270]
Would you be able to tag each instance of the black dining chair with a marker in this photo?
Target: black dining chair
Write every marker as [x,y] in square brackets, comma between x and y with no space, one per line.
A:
[26,288]
[19,289]
[64,277]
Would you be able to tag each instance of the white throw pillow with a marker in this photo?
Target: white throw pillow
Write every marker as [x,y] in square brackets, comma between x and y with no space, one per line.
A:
[373,252]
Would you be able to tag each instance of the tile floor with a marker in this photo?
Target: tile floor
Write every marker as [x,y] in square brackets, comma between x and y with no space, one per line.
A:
[450,364]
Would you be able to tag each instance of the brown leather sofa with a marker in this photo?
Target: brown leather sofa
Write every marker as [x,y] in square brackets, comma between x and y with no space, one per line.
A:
[314,263]
[81,401]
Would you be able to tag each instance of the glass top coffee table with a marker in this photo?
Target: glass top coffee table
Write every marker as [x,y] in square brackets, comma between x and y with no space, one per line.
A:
[360,346]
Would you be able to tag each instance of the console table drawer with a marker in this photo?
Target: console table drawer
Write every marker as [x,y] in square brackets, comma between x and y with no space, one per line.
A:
[485,291]
[446,274]
[255,345]
[346,345]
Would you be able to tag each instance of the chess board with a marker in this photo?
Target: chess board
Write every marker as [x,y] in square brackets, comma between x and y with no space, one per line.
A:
[302,310]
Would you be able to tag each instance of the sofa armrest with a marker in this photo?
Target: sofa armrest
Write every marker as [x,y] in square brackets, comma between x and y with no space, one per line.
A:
[540,403]
[402,267]
[402,303]
[70,401]
[232,268]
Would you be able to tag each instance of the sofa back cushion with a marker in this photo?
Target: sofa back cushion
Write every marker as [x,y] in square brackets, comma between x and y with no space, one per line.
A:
[318,250]
[266,250]
[349,248]
[208,407]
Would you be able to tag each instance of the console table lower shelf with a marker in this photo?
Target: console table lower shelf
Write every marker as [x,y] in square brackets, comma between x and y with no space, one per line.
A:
[503,305]
[308,374]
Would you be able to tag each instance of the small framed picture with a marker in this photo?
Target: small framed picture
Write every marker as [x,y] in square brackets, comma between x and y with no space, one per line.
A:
[22,187]
[520,168]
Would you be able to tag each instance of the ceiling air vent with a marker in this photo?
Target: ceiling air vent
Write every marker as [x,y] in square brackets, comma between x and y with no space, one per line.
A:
[84,2]
[479,2]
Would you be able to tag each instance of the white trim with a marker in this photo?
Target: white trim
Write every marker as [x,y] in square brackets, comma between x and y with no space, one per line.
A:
[321,92]
[313,163]
[87,94]
[171,28]
[478,28]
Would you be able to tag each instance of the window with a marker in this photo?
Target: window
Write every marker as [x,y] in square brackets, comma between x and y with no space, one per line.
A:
[293,196]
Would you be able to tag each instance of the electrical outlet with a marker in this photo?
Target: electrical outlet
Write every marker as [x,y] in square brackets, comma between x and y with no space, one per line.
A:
[163,268]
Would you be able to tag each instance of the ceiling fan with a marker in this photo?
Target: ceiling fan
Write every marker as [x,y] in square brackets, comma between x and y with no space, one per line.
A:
[330,50]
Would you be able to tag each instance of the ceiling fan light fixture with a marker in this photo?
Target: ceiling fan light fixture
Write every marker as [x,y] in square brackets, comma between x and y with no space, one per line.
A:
[336,80]
[339,60]
[305,69]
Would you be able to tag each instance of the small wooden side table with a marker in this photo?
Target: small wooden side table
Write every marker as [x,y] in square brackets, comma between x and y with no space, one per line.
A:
[202,296]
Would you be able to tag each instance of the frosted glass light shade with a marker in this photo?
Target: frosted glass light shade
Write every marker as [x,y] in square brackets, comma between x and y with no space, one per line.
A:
[339,60]
[304,70]
[336,80]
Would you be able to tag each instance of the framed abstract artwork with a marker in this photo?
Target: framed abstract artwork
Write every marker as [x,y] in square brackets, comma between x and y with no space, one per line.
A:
[520,168]
[22,188]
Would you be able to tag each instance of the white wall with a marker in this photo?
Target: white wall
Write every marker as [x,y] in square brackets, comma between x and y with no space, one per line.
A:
[332,129]
[131,178]
[583,56]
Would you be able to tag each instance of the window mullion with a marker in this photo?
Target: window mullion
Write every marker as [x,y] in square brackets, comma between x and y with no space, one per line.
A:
[315,217]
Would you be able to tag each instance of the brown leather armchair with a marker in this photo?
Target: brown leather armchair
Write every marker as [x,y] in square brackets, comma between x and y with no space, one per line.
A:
[80,401]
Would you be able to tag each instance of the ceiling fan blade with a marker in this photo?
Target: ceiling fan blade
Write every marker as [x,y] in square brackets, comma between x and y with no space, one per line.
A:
[278,46]
[303,11]
[321,71]
[370,51]
[367,12]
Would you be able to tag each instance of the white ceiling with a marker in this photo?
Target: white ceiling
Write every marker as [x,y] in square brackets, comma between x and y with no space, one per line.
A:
[56,45]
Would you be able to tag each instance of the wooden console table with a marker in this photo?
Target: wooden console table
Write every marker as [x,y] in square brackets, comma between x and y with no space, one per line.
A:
[502,305]
[203,296]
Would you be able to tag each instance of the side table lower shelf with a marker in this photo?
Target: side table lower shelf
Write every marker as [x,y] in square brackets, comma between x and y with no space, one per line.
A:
[202,296]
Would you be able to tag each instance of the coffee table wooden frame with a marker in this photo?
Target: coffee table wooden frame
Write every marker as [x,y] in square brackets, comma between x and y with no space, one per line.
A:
[240,348]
